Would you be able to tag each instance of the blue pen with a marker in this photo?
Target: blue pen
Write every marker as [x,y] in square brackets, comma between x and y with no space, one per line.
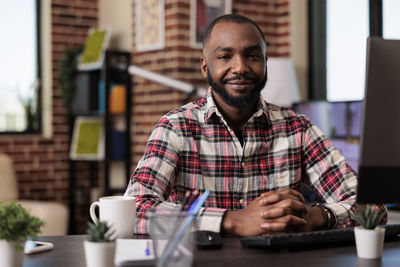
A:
[147,250]
[192,211]
[195,205]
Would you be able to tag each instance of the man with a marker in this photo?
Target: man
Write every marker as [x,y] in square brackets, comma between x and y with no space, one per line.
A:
[251,155]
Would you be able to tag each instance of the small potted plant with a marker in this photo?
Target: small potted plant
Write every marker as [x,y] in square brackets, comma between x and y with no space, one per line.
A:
[99,245]
[16,225]
[369,235]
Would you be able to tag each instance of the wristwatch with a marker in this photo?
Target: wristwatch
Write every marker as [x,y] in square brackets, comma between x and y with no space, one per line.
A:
[329,215]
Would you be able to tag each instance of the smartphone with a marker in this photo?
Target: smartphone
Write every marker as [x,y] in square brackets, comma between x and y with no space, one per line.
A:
[32,247]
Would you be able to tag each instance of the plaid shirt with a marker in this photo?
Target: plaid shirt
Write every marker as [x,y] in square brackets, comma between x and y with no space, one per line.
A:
[193,147]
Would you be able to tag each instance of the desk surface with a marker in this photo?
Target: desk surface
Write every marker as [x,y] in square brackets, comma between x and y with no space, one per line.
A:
[68,251]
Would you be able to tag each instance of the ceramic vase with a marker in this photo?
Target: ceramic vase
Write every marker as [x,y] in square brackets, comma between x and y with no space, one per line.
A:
[369,242]
[99,254]
[9,257]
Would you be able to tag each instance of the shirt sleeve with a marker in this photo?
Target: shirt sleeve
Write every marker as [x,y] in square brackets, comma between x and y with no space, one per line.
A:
[153,179]
[332,179]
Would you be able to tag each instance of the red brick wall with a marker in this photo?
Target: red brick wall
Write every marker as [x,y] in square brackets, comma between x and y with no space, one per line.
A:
[178,60]
[42,164]
[273,18]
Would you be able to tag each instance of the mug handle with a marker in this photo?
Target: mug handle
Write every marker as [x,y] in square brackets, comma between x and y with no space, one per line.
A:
[92,211]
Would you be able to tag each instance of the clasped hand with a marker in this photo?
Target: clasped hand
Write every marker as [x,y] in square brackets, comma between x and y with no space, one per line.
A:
[274,212]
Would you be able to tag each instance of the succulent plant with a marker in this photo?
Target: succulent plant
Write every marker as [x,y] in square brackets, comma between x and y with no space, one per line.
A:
[99,232]
[368,216]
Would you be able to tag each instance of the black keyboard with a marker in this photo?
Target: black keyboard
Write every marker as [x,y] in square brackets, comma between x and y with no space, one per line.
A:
[315,238]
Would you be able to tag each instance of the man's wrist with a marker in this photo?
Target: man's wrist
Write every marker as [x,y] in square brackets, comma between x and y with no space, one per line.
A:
[228,223]
[328,215]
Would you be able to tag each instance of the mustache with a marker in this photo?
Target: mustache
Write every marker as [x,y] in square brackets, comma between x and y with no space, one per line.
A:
[238,78]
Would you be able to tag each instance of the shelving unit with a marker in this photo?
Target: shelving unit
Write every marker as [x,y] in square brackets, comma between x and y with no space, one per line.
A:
[117,124]
[104,93]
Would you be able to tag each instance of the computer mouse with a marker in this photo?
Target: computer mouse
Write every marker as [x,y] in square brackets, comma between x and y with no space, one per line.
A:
[207,239]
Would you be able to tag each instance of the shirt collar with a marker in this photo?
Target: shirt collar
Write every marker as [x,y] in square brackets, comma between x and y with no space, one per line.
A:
[211,108]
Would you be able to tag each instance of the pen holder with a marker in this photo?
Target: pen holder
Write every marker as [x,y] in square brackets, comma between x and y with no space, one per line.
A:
[172,235]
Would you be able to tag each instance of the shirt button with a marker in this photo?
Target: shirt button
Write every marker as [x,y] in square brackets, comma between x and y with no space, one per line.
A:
[243,164]
[241,202]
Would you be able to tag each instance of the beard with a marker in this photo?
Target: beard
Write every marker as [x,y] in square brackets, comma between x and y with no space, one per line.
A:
[237,101]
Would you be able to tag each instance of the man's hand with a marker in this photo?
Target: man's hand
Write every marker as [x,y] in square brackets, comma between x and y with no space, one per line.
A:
[283,213]
[274,212]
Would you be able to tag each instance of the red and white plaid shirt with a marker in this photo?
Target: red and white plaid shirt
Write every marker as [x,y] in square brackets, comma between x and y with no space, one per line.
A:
[193,147]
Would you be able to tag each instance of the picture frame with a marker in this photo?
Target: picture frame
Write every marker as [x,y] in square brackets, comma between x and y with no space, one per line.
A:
[149,25]
[202,13]
[92,56]
[88,139]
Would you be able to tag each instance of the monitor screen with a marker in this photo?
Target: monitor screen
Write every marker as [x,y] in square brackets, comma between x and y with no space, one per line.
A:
[379,160]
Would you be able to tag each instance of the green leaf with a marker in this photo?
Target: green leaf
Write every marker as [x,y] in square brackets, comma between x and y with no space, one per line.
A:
[16,224]
[68,72]
[368,216]
[99,232]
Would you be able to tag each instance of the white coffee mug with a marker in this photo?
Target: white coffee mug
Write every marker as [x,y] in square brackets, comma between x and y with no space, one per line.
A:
[119,212]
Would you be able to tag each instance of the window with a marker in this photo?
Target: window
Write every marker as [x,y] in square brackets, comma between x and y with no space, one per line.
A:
[346,38]
[19,66]
[391,19]
[338,37]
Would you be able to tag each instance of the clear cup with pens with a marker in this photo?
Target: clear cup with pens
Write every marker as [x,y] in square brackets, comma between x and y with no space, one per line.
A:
[171,230]
[164,227]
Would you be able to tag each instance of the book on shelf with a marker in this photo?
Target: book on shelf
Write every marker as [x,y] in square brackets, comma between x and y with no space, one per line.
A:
[118,175]
[102,97]
[118,145]
[117,100]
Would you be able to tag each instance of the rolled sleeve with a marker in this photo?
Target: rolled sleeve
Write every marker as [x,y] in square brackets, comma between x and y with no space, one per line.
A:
[153,181]
[330,176]
[150,183]
[211,219]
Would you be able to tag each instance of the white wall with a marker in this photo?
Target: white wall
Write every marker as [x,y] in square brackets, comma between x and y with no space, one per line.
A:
[119,15]
[46,66]
[299,42]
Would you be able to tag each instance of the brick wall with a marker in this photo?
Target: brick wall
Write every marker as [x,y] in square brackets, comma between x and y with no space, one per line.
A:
[178,60]
[273,18]
[42,164]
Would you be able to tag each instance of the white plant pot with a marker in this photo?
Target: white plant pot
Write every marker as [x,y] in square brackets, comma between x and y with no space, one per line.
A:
[369,243]
[9,257]
[99,254]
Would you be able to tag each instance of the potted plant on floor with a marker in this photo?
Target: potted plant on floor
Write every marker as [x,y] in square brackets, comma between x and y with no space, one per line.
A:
[369,235]
[99,245]
[16,225]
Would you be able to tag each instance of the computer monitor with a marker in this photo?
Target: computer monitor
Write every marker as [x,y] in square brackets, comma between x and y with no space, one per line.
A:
[379,160]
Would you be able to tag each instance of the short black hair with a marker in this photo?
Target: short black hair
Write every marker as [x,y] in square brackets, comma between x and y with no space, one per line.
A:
[235,18]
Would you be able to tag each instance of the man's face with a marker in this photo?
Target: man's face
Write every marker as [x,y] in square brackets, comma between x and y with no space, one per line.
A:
[235,63]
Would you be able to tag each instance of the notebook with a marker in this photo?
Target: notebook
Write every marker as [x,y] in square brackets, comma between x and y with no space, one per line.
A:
[132,252]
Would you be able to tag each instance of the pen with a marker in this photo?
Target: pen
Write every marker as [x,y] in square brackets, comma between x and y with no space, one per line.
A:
[193,210]
[185,200]
[147,250]
[192,197]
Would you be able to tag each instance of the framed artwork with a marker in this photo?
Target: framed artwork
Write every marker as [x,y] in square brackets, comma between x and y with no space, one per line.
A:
[202,12]
[149,25]
[88,139]
[96,43]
